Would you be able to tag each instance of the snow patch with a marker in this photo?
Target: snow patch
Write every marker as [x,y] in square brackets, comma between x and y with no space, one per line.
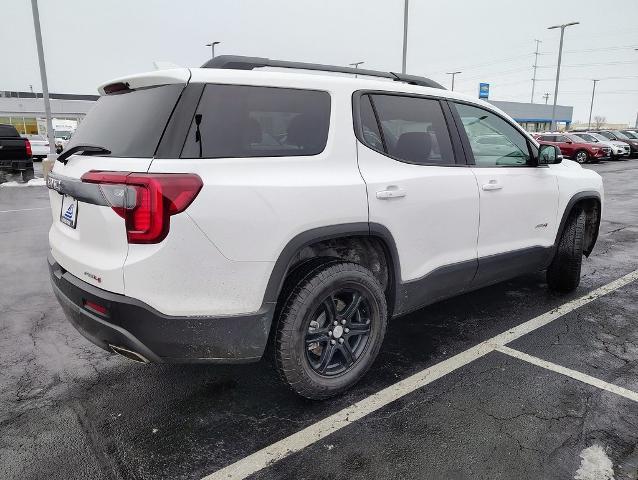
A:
[34,182]
[595,465]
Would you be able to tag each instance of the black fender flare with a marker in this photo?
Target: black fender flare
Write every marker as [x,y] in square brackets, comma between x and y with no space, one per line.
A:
[355,229]
[580,196]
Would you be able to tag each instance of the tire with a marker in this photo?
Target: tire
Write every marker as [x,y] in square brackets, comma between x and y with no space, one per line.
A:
[581,156]
[28,174]
[563,274]
[311,353]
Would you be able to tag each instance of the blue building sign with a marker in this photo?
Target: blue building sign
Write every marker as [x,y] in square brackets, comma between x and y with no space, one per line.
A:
[484,90]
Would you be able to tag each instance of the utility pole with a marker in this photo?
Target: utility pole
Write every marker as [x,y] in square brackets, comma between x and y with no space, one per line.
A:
[454,74]
[591,106]
[405,36]
[546,97]
[212,45]
[536,54]
[43,76]
[560,54]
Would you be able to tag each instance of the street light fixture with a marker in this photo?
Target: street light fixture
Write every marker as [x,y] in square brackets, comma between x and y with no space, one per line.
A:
[212,45]
[560,53]
[453,75]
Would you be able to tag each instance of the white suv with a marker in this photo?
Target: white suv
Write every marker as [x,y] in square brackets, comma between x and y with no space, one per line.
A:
[202,214]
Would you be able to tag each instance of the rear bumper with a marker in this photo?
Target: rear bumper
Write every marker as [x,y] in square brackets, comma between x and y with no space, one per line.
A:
[16,164]
[135,326]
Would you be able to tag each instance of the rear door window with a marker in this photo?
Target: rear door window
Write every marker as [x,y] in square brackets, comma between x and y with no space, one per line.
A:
[246,121]
[413,129]
[128,123]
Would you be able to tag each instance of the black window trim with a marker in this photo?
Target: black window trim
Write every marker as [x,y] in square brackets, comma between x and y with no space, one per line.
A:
[468,147]
[460,158]
[201,95]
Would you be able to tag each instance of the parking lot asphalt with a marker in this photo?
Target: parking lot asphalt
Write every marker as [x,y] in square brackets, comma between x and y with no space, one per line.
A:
[69,410]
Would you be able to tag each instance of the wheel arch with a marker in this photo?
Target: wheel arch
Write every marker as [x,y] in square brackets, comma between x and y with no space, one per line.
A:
[372,236]
[590,202]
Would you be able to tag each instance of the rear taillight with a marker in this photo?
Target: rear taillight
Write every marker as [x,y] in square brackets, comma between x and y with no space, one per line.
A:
[146,200]
[27,144]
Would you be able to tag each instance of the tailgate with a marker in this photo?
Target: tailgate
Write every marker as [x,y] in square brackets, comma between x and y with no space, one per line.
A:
[13,149]
[95,247]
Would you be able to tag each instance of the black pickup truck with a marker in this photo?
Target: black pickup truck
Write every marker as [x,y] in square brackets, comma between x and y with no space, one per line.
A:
[15,151]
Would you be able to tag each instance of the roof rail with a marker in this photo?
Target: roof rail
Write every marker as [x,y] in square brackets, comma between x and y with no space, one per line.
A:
[238,62]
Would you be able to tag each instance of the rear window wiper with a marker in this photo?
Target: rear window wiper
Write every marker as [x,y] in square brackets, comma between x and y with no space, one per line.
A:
[85,149]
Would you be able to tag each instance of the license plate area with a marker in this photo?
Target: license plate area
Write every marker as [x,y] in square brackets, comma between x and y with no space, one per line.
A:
[69,211]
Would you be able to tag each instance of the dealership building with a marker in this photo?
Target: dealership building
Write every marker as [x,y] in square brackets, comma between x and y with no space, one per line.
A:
[536,117]
[25,110]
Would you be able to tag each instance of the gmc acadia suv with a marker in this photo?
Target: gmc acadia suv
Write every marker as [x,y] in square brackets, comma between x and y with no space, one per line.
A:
[201,215]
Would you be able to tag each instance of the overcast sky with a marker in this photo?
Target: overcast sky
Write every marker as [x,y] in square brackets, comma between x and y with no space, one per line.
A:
[87,42]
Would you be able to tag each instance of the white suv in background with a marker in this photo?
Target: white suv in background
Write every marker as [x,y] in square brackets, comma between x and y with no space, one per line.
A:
[202,214]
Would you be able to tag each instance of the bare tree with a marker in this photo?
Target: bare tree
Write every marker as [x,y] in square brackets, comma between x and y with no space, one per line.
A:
[599,121]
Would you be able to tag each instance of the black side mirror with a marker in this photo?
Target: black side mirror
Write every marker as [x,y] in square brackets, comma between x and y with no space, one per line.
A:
[549,155]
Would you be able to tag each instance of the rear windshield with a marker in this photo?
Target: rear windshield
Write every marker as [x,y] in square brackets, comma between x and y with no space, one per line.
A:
[8,131]
[245,121]
[128,124]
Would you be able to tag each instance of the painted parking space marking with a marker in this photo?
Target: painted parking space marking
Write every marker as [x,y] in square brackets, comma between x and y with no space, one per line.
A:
[321,429]
[25,210]
[582,377]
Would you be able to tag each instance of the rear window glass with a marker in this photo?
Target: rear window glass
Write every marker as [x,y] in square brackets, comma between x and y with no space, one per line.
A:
[128,124]
[246,121]
[8,131]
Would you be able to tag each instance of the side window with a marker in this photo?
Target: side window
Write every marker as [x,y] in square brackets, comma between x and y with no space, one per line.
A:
[244,121]
[414,129]
[561,138]
[547,138]
[506,146]
[369,126]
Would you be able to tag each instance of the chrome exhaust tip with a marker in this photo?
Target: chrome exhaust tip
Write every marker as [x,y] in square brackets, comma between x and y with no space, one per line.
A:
[130,354]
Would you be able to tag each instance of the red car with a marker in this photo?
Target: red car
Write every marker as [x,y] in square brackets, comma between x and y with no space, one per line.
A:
[575,148]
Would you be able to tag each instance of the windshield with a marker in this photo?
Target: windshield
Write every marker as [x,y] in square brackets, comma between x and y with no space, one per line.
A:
[621,135]
[63,134]
[128,124]
[587,137]
[632,135]
[606,135]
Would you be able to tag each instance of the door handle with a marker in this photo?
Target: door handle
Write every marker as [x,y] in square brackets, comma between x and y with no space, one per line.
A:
[391,192]
[492,185]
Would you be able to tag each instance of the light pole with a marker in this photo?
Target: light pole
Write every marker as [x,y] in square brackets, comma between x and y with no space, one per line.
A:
[536,54]
[405,36]
[454,74]
[43,76]
[546,97]
[212,46]
[356,66]
[560,53]
[591,106]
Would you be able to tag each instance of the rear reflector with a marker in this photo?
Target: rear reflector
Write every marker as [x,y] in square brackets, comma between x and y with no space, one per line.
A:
[96,307]
[146,200]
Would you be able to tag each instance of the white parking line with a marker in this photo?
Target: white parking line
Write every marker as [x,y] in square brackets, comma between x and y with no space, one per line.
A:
[582,377]
[25,209]
[315,432]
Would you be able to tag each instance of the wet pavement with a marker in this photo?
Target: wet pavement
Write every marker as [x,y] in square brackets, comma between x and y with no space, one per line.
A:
[69,410]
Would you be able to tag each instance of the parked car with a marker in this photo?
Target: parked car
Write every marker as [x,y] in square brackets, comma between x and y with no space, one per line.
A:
[575,148]
[62,138]
[15,151]
[225,208]
[39,146]
[621,137]
[618,149]
[631,134]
